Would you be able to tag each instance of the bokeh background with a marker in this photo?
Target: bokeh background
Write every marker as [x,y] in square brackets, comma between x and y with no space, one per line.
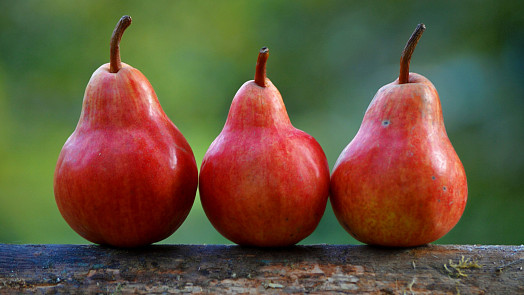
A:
[328,59]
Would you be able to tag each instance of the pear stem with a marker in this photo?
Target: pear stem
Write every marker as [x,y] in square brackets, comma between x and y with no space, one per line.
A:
[260,72]
[405,58]
[115,64]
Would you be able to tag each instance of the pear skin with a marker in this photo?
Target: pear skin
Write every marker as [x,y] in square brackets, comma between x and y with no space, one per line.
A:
[126,177]
[262,181]
[399,182]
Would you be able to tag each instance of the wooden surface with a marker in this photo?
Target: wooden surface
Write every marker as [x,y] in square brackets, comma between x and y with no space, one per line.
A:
[433,269]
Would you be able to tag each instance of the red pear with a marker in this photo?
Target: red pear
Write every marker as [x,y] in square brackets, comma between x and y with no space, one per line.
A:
[399,182]
[126,177]
[262,181]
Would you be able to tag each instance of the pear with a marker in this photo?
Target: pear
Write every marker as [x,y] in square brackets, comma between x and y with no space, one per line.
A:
[399,182]
[126,177]
[262,181]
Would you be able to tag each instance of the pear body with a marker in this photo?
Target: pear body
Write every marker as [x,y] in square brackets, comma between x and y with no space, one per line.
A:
[262,181]
[399,182]
[126,177]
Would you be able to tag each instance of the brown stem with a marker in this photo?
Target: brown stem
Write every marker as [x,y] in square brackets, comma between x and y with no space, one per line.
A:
[405,58]
[260,72]
[114,58]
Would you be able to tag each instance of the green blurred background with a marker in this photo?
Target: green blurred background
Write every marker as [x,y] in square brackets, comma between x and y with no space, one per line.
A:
[328,58]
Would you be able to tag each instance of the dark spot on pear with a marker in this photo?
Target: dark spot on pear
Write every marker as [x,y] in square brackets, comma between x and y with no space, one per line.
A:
[385,123]
[433,177]
[444,188]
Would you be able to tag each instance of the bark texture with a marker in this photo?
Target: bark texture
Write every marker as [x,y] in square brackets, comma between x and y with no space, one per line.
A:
[342,269]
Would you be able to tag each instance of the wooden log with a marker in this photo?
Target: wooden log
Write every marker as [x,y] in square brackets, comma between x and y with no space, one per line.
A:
[432,269]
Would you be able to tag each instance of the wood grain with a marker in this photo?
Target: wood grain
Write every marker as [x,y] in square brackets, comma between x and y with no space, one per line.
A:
[343,269]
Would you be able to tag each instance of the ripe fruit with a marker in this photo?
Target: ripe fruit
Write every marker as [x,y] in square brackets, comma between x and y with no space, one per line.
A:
[400,182]
[126,177]
[262,181]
